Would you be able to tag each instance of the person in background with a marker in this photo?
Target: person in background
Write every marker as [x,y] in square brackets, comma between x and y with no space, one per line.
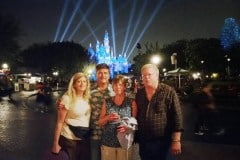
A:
[208,117]
[113,110]
[75,110]
[99,92]
[47,92]
[40,93]
[159,117]
[39,86]
[44,96]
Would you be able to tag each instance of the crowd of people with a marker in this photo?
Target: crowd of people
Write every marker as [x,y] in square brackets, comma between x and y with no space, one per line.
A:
[91,122]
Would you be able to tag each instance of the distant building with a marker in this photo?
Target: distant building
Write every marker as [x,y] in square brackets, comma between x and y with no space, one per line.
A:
[103,53]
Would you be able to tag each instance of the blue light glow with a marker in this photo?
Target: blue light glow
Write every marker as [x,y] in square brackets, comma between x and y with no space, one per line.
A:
[131,33]
[104,54]
[104,22]
[128,27]
[158,6]
[71,20]
[83,19]
[112,25]
[136,24]
[61,20]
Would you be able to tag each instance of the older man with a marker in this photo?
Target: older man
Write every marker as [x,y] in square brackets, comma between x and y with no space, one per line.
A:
[159,117]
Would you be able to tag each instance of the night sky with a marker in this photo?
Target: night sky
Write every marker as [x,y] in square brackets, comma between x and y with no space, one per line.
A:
[174,20]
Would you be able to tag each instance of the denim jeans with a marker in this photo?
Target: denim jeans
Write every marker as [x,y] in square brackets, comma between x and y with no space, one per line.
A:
[155,150]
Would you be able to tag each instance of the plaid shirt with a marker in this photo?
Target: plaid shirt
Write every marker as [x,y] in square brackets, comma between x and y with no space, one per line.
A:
[96,101]
[161,116]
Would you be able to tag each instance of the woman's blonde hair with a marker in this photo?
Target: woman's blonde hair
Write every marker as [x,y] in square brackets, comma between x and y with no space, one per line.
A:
[71,92]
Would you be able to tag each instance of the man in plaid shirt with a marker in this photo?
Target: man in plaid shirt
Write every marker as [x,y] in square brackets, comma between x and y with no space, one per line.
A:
[159,117]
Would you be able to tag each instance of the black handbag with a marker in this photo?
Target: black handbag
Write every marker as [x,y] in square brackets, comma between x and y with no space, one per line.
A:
[80,132]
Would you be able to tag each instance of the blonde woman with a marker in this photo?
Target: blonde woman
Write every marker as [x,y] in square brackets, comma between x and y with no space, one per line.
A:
[75,112]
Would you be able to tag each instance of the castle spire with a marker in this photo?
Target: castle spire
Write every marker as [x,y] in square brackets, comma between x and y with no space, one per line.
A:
[106,42]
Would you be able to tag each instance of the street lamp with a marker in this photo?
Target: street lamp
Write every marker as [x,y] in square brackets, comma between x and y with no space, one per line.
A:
[164,72]
[174,59]
[228,67]
[55,73]
[156,59]
[90,72]
[5,66]
[202,62]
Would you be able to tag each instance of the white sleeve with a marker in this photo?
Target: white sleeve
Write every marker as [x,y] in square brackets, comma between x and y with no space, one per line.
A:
[66,101]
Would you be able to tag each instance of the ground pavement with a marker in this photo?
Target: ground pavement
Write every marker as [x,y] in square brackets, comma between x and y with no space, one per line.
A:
[26,134]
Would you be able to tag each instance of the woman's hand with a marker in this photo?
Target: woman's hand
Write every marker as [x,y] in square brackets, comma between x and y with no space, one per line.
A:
[59,105]
[121,129]
[113,117]
[56,149]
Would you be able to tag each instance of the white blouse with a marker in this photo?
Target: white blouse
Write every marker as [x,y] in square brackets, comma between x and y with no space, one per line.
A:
[78,115]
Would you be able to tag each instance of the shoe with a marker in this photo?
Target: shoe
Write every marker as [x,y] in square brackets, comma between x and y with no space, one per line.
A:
[220,132]
[199,133]
[205,128]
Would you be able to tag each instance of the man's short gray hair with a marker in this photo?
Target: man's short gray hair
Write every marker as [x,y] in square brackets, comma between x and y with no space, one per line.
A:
[153,66]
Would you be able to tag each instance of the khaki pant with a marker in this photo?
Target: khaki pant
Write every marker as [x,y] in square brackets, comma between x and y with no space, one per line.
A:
[110,153]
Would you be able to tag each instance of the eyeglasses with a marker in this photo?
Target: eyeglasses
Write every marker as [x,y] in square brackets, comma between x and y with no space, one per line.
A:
[147,75]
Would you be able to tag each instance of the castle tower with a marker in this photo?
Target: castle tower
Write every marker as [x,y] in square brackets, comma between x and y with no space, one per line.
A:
[104,54]
[106,43]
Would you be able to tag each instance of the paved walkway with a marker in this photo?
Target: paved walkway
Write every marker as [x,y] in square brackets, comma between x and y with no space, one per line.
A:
[207,151]
[25,135]
[204,151]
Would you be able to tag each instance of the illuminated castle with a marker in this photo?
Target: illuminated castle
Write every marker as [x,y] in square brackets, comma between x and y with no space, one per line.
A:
[104,54]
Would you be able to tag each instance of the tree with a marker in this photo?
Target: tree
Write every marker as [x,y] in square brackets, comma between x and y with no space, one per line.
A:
[208,51]
[230,33]
[234,55]
[9,35]
[66,57]
[144,57]
[196,55]
[178,47]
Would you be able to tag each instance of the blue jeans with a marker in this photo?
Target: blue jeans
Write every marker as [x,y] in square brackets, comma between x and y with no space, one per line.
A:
[155,150]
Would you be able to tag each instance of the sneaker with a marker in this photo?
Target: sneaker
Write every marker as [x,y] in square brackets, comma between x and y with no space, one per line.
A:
[205,128]
[220,132]
[199,133]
